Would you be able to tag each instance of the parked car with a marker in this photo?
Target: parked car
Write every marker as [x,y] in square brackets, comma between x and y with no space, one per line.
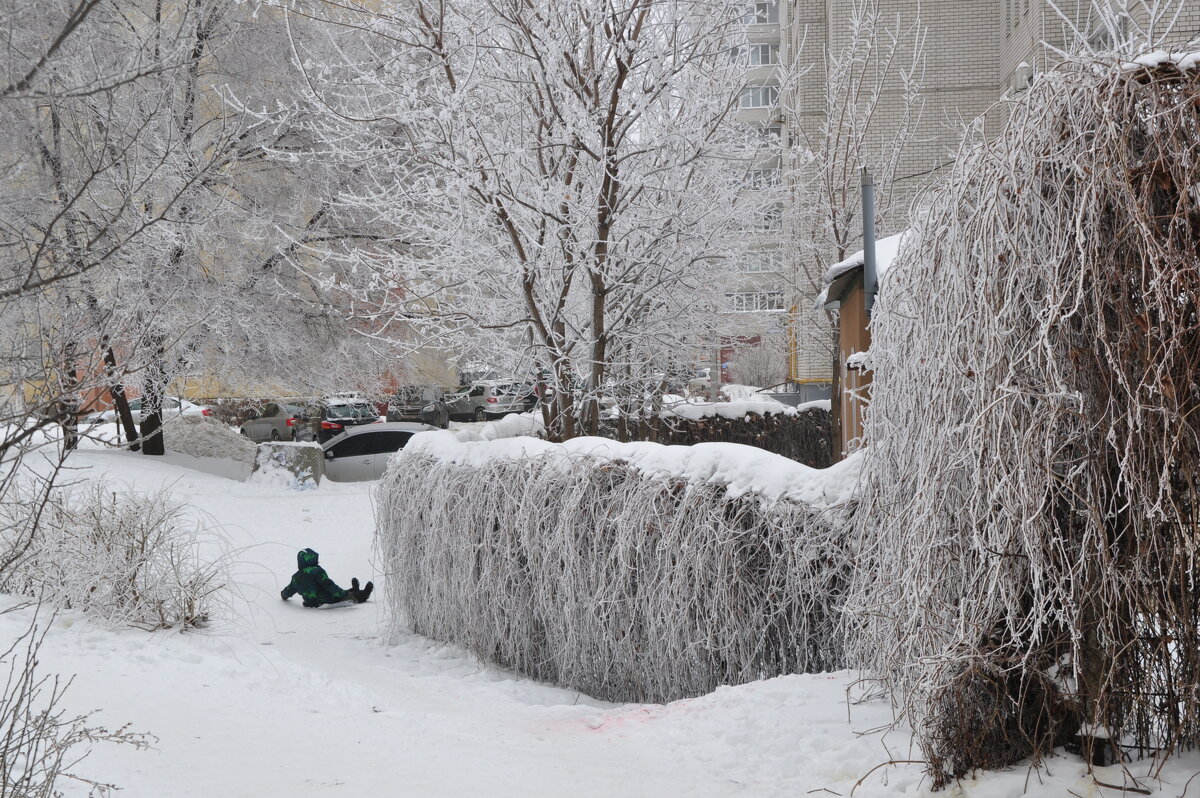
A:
[491,398]
[426,404]
[510,397]
[329,417]
[362,453]
[274,422]
[171,406]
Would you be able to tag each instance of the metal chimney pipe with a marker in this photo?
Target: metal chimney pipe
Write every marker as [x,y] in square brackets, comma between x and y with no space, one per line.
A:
[870,273]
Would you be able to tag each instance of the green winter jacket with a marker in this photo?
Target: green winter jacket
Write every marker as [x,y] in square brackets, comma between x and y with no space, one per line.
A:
[312,583]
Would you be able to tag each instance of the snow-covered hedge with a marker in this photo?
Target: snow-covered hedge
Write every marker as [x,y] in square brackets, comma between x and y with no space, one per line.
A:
[633,572]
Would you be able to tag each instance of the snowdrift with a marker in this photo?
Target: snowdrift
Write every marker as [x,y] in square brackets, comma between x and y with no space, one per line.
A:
[631,572]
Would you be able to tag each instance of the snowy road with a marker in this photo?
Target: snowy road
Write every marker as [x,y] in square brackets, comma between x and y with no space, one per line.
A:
[280,700]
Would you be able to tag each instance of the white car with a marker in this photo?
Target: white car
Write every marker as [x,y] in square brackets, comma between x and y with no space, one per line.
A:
[171,406]
[362,453]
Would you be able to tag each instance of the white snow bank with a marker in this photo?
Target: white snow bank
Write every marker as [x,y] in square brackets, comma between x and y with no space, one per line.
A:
[199,436]
[736,391]
[741,469]
[742,400]
[290,465]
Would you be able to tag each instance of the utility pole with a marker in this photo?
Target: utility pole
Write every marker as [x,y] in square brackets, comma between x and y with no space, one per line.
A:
[870,274]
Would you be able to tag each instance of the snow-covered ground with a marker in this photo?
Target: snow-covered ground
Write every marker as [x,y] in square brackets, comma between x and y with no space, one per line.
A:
[276,699]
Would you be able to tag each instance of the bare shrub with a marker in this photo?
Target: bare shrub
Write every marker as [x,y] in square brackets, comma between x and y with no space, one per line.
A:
[990,717]
[40,742]
[1033,468]
[588,573]
[126,558]
[761,364]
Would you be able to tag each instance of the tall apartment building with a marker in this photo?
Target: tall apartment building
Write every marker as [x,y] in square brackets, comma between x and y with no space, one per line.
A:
[975,52]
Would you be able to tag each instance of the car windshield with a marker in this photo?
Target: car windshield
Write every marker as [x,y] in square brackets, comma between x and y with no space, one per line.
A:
[352,411]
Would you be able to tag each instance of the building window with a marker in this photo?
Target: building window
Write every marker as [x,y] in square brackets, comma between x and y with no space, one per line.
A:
[768,261]
[762,13]
[769,219]
[755,54]
[760,96]
[762,178]
[755,301]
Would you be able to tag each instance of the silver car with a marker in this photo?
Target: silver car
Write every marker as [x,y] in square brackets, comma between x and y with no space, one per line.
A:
[362,453]
[426,404]
[491,399]
[274,422]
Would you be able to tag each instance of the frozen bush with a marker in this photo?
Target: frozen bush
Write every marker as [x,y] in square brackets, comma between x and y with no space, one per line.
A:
[128,559]
[1032,488]
[596,574]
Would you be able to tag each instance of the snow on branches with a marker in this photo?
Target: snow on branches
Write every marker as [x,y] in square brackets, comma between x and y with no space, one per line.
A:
[1030,505]
[125,558]
[633,572]
[571,174]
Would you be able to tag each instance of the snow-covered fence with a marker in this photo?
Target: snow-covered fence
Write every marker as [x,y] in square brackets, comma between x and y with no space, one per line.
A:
[633,572]
[802,435]
[1029,512]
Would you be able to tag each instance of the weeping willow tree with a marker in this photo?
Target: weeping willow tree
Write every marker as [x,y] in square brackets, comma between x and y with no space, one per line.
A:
[1029,523]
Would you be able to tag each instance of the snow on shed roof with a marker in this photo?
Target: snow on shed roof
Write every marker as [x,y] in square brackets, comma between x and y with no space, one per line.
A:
[886,250]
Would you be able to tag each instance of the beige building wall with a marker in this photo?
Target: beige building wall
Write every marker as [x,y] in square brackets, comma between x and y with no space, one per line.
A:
[975,53]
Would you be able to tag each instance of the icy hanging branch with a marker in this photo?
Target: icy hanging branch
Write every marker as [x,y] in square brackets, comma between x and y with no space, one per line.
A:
[1029,517]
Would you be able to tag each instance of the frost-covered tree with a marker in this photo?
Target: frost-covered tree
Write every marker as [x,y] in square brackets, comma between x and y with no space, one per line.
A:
[196,142]
[226,292]
[73,165]
[569,172]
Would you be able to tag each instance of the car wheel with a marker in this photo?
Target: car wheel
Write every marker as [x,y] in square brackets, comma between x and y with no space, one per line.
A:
[480,415]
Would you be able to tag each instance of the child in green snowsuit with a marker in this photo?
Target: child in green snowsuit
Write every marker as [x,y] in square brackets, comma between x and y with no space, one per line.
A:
[315,586]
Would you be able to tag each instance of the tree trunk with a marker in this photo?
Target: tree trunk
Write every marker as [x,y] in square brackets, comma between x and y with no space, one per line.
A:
[152,400]
[117,391]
